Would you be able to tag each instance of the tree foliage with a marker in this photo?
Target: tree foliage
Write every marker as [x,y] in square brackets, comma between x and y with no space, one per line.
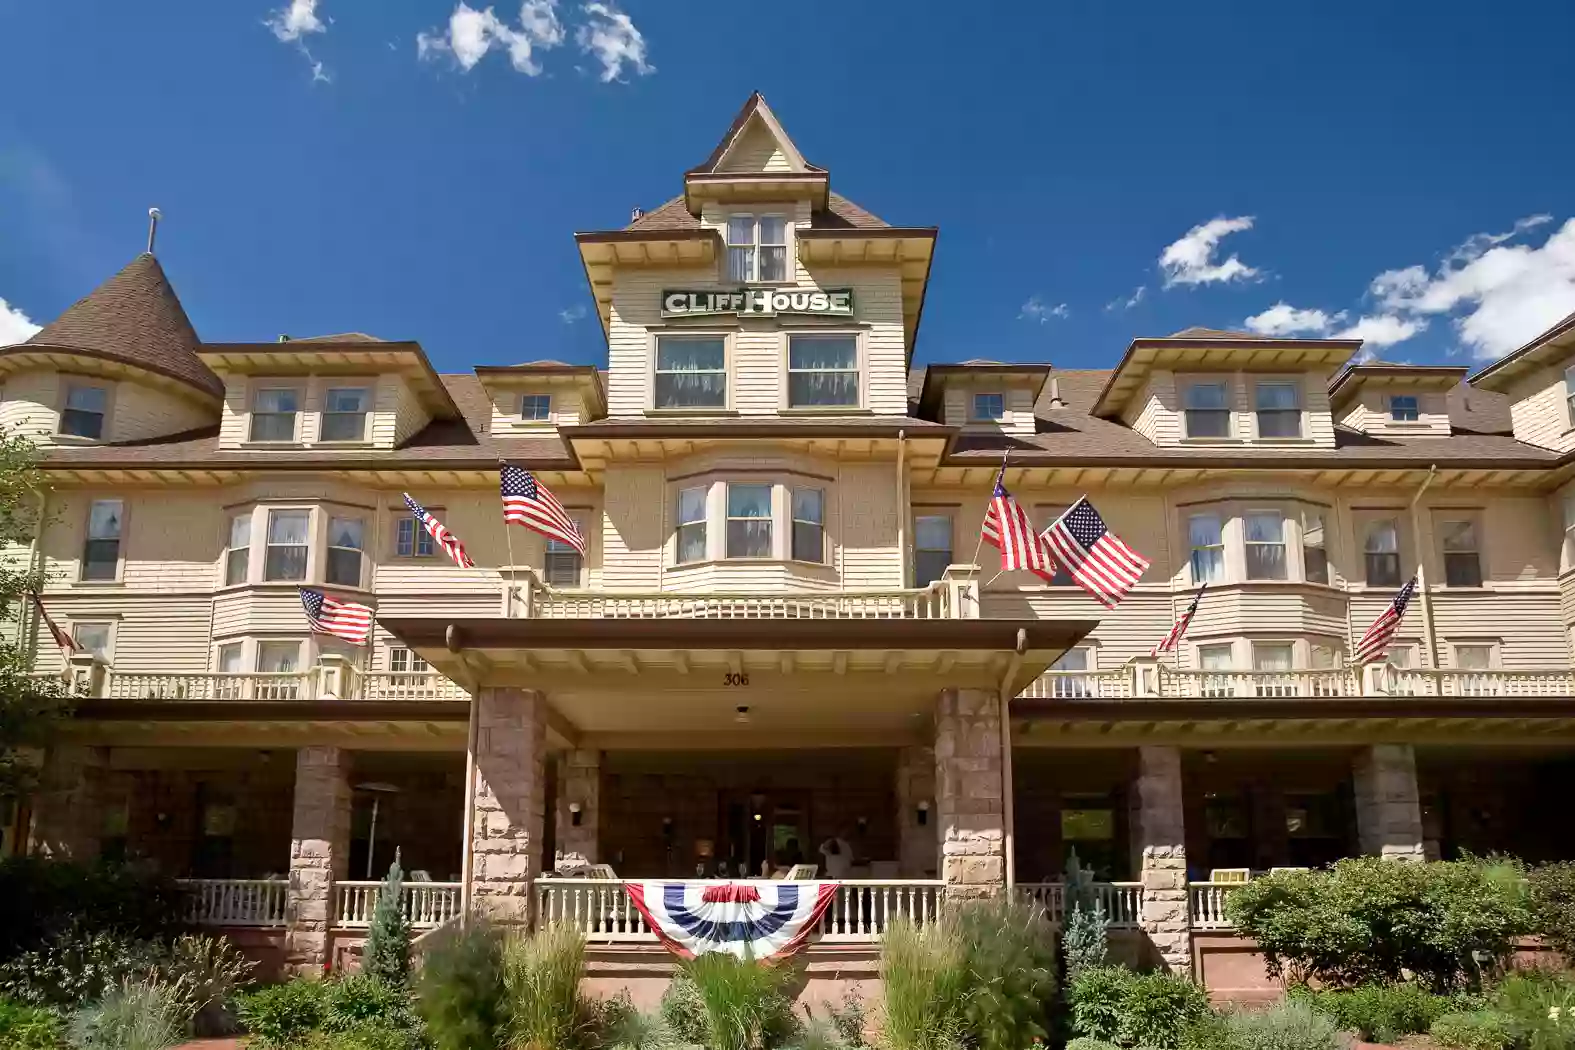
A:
[387,953]
[1085,941]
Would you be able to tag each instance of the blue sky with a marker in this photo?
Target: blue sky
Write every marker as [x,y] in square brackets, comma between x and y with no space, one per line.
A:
[1360,163]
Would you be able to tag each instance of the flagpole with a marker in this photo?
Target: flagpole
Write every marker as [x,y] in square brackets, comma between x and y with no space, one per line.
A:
[1000,476]
[508,541]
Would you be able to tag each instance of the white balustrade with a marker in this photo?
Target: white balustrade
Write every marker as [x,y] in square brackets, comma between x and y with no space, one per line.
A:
[1081,685]
[598,908]
[1256,684]
[1495,682]
[926,603]
[426,904]
[409,685]
[236,902]
[261,685]
[1206,902]
[1122,902]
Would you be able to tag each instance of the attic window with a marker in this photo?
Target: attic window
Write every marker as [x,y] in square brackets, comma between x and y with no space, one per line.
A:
[1403,408]
[989,408]
[536,408]
[757,248]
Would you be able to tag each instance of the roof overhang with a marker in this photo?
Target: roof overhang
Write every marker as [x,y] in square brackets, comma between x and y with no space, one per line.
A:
[391,726]
[1551,346]
[910,249]
[748,187]
[323,357]
[1146,356]
[1348,385]
[603,252]
[1032,468]
[994,373]
[32,357]
[596,445]
[586,379]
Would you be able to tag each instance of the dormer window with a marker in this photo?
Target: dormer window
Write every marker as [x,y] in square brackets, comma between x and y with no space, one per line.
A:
[989,408]
[536,408]
[691,372]
[757,248]
[823,371]
[273,413]
[86,404]
[344,414]
[1206,408]
[1279,409]
[1403,408]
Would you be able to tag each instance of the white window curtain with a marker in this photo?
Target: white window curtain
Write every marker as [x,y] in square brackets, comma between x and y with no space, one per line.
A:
[691,372]
[823,370]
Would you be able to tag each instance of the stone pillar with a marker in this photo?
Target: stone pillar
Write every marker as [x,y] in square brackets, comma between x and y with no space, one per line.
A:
[917,856]
[508,823]
[1159,832]
[969,807]
[319,854]
[1388,807]
[68,807]
[579,784]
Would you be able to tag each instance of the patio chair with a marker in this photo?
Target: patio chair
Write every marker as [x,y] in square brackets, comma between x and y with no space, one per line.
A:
[601,871]
[802,872]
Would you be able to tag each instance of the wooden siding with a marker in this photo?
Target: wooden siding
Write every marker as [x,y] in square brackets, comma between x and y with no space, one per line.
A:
[399,413]
[394,414]
[1370,413]
[30,406]
[957,409]
[1538,410]
[755,151]
[568,409]
[1158,411]
[32,402]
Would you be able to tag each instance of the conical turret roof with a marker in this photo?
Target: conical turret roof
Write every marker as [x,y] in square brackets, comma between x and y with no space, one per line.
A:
[134,318]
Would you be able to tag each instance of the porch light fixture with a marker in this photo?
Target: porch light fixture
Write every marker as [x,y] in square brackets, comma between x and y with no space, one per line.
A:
[742,717]
[575,813]
[923,812]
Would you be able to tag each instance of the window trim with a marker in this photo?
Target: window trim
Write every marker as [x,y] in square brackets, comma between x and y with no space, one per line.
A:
[216,656]
[1298,386]
[106,418]
[1366,524]
[1324,514]
[109,623]
[526,395]
[789,253]
[329,546]
[369,389]
[413,658]
[1473,518]
[1416,408]
[1197,655]
[312,557]
[974,416]
[1494,646]
[773,550]
[1223,546]
[654,342]
[257,386]
[1042,517]
[231,517]
[419,537]
[790,490]
[704,521]
[578,515]
[1284,544]
[951,541]
[120,542]
[860,371]
[1186,385]
[262,643]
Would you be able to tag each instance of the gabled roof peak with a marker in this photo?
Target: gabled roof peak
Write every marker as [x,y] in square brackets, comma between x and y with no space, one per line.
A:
[756,112]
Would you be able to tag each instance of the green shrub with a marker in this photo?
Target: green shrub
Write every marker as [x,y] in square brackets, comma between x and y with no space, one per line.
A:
[24,1027]
[1540,1006]
[70,970]
[1211,1031]
[44,901]
[207,970]
[1285,1026]
[387,953]
[137,1015]
[1553,905]
[1084,1042]
[848,1017]
[1379,1013]
[1158,1007]
[1009,952]
[1097,998]
[744,1004]
[541,980]
[1366,920]
[360,1000]
[363,1037]
[683,1010]
[817,1033]
[1085,939]
[282,1015]
[1474,1030]
[622,1027]
[459,988]
[924,981]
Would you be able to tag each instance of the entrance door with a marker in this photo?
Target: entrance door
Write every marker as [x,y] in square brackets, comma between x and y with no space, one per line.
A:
[761,826]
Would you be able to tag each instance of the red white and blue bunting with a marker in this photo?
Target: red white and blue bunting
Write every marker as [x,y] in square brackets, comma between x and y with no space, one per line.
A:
[750,920]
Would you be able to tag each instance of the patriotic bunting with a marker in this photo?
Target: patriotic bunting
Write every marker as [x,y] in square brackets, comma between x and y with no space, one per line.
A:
[444,538]
[748,920]
[1376,641]
[345,620]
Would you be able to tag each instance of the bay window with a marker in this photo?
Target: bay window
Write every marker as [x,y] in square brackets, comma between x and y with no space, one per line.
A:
[1215,661]
[1279,408]
[1381,552]
[344,414]
[85,408]
[809,525]
[823,371]
[691,371]
[101,551]
[288,536]
[932,547]
[1263,533]
[1462,558]
[748,521]
[238,555]
[691,525]
[1207,409]
[274,410]
[1315,550]
[344,551]
[757,248]
[1208,548]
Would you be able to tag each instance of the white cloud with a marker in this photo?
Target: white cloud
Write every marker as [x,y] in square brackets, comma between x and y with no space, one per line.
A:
[611,36]
[1380,330]
[15,326]
[1191,259]
[1036,310]
[291,23]
[1130,301]
[572,314]
[1499,295]
[1283,319]
[472,33]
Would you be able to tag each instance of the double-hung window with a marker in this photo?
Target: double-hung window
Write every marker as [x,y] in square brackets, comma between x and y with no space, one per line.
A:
[281,658]
[823,371]
[691,371]
[989,408]
[562,563]
[1462,556]
[1381,551]
[1207,410]
[809,525]
[1279,408]
[1074,682]
[93,638]
[932,547]
[691,524]
[238,555]
[344,414]
[1207,539]
[288,534]
[411,538]
[1264,536]
[1403,408]
[536,408]
[274,410]
[344,551]
[1216,661]
[86,405]
[1272,657]
[101,552]
[404,661]
[757,248]
[749,521]
[1315,549]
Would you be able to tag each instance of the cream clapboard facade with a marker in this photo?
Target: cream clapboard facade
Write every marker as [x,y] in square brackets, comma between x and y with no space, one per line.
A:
[767,467]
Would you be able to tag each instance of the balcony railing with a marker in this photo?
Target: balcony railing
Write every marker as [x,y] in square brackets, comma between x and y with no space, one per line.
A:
[1122,902]
[407,685]
[1496,682]
[1081,685]
[925,603]
[236,902]
[286,685]
[1219,684]
[1206,904]
[333,679]
[426,904]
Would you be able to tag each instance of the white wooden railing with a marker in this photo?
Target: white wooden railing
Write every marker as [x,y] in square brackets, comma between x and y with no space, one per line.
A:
[408,685]
[260,685]
[1122,902]
[1239,684]
[861,910]
[926,603]
[426,904]
[236,902]
[1496,682]
[1206,904]
[1081,685]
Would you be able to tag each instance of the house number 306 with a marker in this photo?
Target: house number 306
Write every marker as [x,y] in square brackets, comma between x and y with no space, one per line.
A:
[735,679]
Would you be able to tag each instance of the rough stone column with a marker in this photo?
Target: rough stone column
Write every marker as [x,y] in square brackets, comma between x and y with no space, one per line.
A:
[1159,837]
[917,856]
[1388,806]
[68,809]
[508,823]
[319,854]
[969,808]
[579,781]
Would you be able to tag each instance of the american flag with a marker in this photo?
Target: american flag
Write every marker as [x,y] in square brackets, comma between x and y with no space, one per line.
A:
[1097,559]
[1382,632]
[68,644]
[445,539]
[527,502]
[1179,628]
[345,620]
[1007,527]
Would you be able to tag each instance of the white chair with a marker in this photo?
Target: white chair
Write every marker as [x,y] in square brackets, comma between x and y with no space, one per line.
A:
[1230,875]
[802,872]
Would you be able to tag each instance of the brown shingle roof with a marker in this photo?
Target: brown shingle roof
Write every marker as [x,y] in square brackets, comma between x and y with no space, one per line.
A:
[134,318]
[840,214]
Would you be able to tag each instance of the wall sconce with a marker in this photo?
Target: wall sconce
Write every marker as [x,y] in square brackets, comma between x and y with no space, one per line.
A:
[576,813]
[667,828]
[923,813]
[864,824]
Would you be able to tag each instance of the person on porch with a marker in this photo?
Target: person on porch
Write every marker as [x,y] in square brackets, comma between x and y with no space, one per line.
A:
[838,857]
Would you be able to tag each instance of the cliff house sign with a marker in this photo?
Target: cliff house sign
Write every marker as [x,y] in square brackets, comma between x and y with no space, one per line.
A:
[759,302]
